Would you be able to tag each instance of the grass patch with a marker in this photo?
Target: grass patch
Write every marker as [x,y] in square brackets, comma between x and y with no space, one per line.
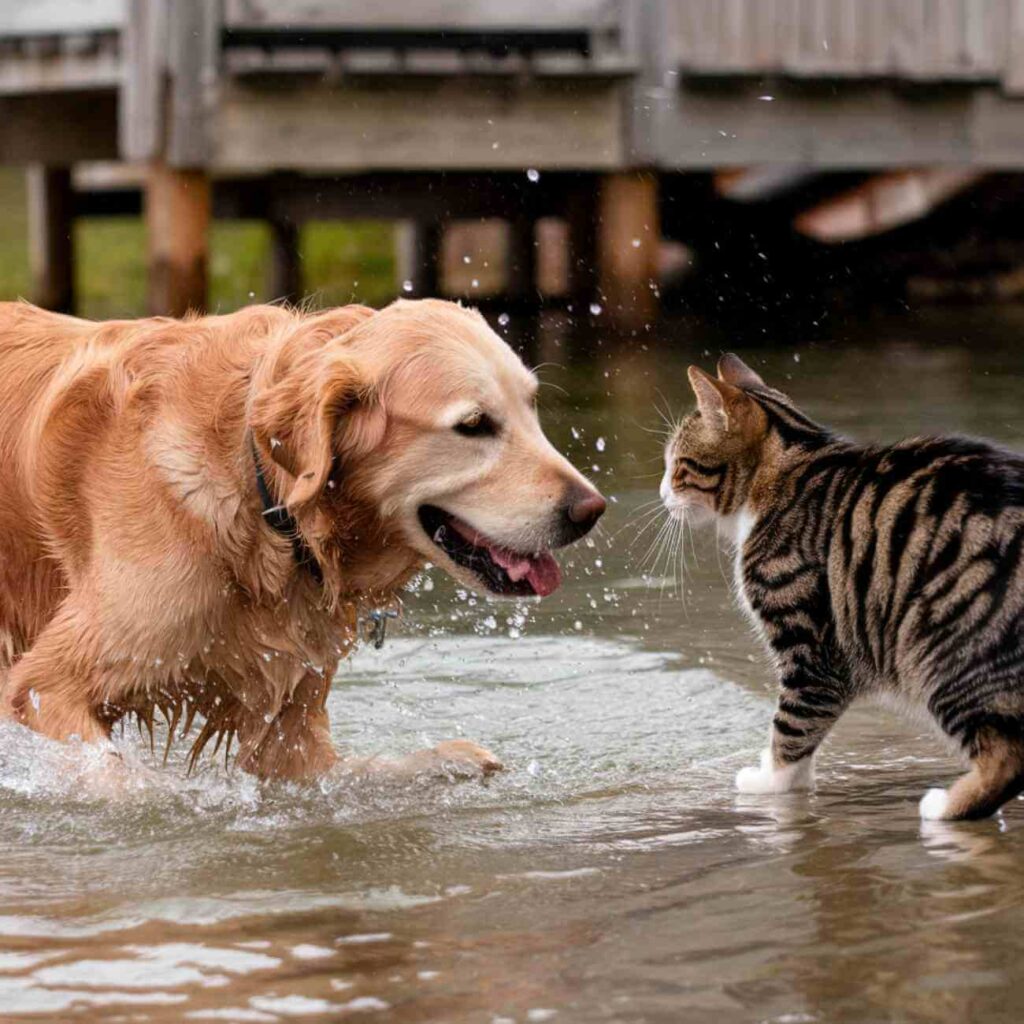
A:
[342,262]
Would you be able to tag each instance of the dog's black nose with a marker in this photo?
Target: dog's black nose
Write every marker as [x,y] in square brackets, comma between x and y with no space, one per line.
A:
[584,511]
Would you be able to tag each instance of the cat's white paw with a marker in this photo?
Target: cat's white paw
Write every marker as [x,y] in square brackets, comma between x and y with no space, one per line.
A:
[934,804]
[767,778]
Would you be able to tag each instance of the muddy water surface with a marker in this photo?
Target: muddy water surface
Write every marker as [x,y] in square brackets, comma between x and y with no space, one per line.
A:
[611,874]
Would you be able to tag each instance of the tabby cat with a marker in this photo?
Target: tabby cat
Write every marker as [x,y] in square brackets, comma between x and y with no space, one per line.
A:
[887,571]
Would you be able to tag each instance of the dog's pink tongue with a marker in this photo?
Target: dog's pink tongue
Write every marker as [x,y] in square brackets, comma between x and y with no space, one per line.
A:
[517,566]
[545,574]
[542,572]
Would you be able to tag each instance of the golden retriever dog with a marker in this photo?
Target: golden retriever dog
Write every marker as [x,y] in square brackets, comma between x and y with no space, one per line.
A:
[196,514]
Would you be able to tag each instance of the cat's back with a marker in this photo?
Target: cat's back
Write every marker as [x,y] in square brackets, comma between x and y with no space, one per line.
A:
[929,550]
[930,477]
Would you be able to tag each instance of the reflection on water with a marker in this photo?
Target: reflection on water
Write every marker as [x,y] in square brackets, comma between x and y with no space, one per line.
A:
[611,874]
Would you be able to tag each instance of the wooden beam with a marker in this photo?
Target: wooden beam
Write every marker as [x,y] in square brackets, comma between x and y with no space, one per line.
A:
[177,224]
[432,15]
[285,260]
[58,128]
[193,32]
[142,102]
[408,124]
[628,239]
[68,17]
[50,237]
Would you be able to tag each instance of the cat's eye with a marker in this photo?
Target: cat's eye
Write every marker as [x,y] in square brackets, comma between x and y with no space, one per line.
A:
[703,468]
[477,424]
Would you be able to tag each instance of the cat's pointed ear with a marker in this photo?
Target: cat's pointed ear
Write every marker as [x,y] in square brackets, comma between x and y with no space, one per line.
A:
[733,370]
[713,397]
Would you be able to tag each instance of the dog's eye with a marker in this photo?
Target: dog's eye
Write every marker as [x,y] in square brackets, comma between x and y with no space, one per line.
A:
[477,425]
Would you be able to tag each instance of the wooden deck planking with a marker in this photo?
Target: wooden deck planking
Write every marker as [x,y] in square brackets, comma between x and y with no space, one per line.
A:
[921,40]
[26,18]
[494,15]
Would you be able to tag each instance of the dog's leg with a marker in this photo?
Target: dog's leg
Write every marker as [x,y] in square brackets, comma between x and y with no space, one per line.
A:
[452,759]
[295,745]
[52,689]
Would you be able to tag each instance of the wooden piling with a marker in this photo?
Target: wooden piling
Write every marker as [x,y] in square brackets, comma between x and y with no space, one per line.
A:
[521,261]
[417,258]
[177,225]
[628,236]
[285,260]
[50,237]
[581,220]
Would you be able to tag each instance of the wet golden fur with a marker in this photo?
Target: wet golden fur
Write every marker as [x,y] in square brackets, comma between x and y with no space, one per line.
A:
[137,572]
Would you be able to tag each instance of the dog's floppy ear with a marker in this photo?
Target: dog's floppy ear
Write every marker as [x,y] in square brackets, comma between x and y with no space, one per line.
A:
[320,407]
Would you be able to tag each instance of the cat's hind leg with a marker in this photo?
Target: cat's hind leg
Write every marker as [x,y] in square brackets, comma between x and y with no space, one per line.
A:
[996,775]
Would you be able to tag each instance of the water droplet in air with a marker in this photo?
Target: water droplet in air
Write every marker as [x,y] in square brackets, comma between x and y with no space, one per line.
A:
[503,319]
[466,259]
[766,99]
[595,309]
[635,243]
[599,444]
[533,174]
[407,286]
[475,283]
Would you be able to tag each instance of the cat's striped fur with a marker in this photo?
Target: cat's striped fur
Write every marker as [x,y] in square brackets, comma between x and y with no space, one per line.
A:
[893,571]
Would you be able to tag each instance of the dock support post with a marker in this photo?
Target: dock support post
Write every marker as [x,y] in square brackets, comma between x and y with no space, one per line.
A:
[285,260]
[628,238]
[521,261]
[50,237]
[581,221]
[417,258]
[177,225]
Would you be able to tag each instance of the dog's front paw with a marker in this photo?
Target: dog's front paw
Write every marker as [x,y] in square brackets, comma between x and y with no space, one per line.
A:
[934,805]
[455,759]
[767,777]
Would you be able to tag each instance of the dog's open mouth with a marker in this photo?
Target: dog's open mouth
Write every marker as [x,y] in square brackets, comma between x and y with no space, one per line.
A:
[500,569]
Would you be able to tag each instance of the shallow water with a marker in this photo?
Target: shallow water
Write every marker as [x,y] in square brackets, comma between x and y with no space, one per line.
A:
[611,874]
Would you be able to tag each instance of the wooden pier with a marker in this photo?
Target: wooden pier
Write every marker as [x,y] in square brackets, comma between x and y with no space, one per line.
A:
[593,111]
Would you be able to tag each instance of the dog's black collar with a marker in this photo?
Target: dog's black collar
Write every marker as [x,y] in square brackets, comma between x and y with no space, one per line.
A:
[281,521]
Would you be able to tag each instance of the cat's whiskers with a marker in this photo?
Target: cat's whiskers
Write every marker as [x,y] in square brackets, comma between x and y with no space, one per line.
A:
[652,557]
[647,519]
